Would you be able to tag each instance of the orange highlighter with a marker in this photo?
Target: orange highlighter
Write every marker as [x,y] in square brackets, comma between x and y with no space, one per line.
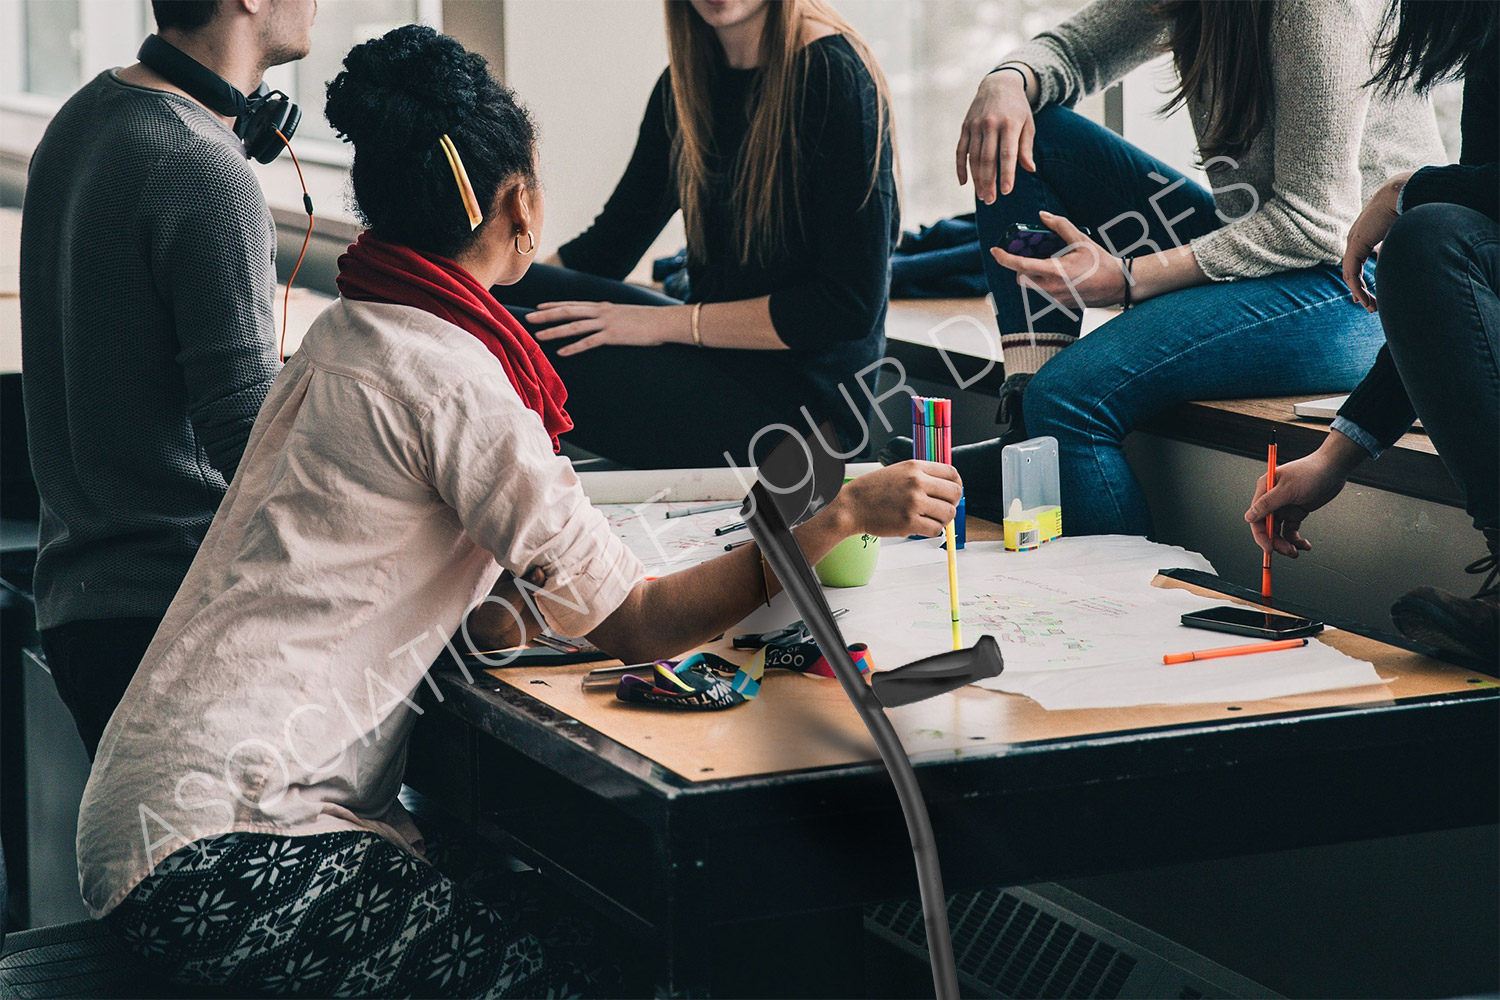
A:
[1265,563]
[1254,647]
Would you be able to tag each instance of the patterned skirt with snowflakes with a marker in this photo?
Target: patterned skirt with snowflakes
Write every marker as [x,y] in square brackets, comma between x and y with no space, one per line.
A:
[344,914]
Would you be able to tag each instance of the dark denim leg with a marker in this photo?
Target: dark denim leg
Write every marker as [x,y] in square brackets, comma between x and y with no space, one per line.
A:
[545,283]
[1098,180]
[1439,271]
[1297,332]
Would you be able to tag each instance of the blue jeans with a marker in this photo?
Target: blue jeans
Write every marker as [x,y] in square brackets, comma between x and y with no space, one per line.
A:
[1294,333]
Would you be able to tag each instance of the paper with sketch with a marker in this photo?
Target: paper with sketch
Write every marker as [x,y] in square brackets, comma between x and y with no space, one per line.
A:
[666,544]
[1078,622]
[1079,625]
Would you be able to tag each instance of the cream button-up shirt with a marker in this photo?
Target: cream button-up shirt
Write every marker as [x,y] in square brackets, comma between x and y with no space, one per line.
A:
[392,473]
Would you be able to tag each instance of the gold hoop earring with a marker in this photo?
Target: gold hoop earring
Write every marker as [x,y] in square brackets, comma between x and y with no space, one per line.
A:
[531,243]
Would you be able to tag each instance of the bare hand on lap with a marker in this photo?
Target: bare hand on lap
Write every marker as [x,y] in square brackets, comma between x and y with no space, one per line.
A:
[1367,233]
[608,323]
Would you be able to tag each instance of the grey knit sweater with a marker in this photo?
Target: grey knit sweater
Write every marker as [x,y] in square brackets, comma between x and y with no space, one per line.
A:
[1328,144]
[147,339]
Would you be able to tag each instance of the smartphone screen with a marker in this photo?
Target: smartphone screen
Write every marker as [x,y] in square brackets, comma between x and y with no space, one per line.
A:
[1023,240]
[1249,621]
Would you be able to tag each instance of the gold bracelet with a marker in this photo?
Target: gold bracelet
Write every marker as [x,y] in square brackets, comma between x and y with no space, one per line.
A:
[765,578]
[697,338]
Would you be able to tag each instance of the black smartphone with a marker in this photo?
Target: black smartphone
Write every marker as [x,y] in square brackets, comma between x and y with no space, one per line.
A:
[1034,241]
[1249,621]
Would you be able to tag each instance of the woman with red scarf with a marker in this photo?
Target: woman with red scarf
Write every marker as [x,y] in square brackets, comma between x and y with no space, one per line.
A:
[241,828]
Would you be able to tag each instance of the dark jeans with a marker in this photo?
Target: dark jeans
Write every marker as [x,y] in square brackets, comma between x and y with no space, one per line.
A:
[92,663]
[1294,333]
[1439,272]
[1099,181]
[664,407]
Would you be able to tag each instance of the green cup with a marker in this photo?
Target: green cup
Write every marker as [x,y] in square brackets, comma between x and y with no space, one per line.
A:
[851,563]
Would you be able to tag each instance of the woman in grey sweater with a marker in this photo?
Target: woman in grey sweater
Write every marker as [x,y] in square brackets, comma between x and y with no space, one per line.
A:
[1236,291]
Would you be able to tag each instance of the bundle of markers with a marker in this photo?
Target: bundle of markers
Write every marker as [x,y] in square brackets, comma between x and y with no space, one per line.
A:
[932,429]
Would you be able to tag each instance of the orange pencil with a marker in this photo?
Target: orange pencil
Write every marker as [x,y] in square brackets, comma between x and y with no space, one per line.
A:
[1254,647]
[1265,562]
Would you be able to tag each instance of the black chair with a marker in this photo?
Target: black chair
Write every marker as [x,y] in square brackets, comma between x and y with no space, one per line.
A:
[79,959]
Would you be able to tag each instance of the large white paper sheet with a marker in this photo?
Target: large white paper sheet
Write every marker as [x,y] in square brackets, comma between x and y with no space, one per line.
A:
[666,544]
[636,487]
[1078,622]
[1079,625]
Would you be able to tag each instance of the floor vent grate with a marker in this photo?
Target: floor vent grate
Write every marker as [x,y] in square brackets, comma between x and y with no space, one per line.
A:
[1044,941]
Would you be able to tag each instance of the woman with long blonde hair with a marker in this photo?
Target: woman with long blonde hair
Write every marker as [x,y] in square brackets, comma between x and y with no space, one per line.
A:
[770,132]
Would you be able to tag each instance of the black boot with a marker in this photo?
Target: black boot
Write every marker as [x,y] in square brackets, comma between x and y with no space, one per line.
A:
[1469,627]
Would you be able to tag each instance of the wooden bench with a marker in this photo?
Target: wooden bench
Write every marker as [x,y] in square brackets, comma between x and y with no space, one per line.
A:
[953,342]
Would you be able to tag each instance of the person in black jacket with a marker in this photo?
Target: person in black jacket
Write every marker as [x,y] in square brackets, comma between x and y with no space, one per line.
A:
[1438,271]
[770,131]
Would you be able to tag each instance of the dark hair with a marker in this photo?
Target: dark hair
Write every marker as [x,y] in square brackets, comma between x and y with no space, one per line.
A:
[1431,41]
[183,15]
[396,96]
[1222,49]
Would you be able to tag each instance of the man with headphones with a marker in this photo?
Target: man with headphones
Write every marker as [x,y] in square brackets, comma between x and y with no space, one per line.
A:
[147,326]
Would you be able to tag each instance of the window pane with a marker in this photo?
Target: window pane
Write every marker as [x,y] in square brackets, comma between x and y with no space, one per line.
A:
[53,44]
[933,53]
[341,25]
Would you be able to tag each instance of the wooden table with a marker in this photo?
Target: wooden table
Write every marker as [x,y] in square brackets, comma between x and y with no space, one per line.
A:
[742,845]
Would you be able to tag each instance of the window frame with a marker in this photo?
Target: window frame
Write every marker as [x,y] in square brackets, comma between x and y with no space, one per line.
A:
[102,20]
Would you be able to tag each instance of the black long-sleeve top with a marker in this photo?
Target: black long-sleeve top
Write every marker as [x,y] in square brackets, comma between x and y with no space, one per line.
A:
[1379,409]
[829,288]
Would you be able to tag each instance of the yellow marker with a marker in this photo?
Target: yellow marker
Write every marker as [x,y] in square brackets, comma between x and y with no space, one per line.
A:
[958,634]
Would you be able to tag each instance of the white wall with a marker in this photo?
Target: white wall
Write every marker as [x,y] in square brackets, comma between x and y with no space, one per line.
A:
[1169,139]
[586,69]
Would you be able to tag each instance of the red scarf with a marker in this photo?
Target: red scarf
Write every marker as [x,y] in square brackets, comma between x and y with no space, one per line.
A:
[373,270]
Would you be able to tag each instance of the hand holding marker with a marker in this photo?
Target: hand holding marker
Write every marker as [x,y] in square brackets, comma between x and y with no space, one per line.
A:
[1265,563]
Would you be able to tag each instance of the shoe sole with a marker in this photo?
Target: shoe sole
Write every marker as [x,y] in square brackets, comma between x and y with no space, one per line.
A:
[1430,624]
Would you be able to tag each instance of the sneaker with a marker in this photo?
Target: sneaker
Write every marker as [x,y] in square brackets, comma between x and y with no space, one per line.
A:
[1468,626]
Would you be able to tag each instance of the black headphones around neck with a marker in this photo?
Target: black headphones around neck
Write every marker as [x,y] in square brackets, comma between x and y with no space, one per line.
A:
[257,117]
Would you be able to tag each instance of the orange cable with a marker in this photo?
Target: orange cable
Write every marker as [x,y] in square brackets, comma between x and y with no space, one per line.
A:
[286,304]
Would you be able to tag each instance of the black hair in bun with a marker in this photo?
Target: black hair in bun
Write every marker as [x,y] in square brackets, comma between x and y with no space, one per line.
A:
[396,95]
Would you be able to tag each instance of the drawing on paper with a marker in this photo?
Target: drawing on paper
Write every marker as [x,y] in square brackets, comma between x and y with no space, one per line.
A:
[1052,622]
[662,543]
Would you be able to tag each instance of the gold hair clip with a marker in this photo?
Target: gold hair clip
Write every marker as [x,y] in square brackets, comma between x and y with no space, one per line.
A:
[465,189]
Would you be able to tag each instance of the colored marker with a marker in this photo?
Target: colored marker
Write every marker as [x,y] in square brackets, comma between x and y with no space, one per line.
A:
[703,510]
[1254,647]
[726,529]
[945,454]
[734,545]
[1265,562]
